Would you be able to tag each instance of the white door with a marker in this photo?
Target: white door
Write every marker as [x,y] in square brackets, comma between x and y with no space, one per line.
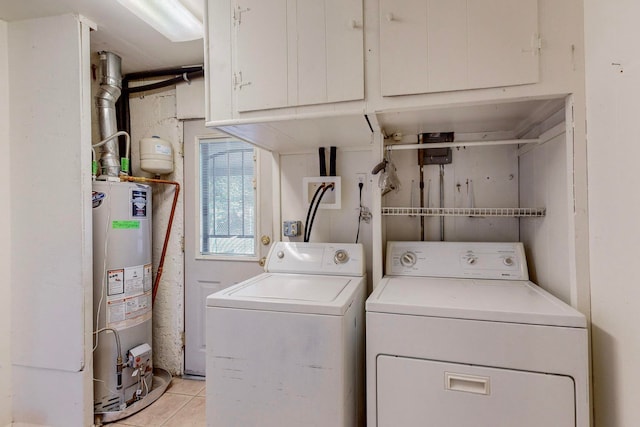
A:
[229,249]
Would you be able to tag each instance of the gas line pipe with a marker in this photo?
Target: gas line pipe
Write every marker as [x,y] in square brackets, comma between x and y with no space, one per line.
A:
[144,180]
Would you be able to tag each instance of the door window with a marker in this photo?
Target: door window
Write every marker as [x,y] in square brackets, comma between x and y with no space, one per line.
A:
[227,197]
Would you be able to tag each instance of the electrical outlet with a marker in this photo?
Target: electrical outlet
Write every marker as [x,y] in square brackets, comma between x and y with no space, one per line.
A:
[362,178]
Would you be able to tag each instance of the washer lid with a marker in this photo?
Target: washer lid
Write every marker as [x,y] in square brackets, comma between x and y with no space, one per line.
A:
[295,293]
[475,299]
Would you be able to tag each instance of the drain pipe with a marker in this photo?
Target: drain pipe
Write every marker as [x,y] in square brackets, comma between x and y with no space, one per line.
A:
[110,89]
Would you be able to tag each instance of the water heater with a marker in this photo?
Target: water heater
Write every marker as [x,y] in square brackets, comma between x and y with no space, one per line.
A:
[122,282]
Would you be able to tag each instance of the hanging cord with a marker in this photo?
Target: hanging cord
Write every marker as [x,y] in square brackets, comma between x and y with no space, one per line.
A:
[359,211]
[332,161]
[313,199]
[323,161]
[307,234]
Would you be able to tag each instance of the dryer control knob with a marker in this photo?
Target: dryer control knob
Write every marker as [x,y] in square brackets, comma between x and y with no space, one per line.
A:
[341,256]
[408,259]
[471,260]
[508,261]
[280,254]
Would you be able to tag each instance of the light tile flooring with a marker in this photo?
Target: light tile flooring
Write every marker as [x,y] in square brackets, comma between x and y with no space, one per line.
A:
[182,405]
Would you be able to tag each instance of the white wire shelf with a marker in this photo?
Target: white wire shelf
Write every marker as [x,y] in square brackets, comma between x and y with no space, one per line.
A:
[493,212]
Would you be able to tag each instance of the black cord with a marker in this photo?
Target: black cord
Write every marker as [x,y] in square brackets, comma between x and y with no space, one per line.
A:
[360,184]
[306,223]
[315,210]
[323,161]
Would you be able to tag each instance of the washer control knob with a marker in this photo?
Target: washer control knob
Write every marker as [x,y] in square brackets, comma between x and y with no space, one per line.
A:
[471,259]
[280,254]
[408,259]
[341,256]
[508,261]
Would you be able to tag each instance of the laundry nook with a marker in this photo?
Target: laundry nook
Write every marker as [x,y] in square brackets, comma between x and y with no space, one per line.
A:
[285,213]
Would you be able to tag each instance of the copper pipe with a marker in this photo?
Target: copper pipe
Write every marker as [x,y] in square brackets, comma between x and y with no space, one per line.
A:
[144,180]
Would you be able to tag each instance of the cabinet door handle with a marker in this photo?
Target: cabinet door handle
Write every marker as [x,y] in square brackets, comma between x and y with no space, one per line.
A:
[390,17]
[353,24]
[467,383]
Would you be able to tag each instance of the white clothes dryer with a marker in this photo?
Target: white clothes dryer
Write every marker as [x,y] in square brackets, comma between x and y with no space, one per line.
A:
[286,348]
[458,336]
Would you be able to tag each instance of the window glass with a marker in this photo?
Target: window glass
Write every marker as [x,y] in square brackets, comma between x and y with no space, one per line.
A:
[227,197]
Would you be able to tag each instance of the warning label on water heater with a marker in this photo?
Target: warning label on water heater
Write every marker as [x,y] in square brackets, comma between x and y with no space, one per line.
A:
[128,296]
[138,203]
[115,282]
[134,280]
[147,277]
[128,312]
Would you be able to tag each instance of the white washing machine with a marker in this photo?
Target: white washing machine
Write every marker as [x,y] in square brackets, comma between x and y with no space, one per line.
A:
[458,336]
[286,348]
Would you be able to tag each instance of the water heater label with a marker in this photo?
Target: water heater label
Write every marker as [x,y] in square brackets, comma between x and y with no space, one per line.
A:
[134,280]
[126,225]
[163,149]
[129,311]
[115,282]
[139,203]
[148,277]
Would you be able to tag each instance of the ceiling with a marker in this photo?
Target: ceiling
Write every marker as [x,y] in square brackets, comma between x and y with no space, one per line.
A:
[141,47]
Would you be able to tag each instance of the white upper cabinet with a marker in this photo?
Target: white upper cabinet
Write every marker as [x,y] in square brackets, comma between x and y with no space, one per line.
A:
[289,53]
[260,77]
[444,45]
[345,49]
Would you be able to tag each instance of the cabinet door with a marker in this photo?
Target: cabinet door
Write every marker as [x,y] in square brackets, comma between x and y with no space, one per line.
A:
[442,45]
[345,50]
[329,49]
[260,76]
[403,47]
[448,66]
[310,50]
[502,38]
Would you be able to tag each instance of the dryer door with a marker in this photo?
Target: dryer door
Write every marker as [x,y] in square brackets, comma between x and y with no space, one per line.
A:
[414,392]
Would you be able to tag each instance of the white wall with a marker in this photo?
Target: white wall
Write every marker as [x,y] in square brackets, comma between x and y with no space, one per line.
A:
[483,177]
[50,221]
[544,183]
[154,113]
[613,94]
[5,235]
[341,225]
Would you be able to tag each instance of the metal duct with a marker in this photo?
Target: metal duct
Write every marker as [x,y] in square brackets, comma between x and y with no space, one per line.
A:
[110,87]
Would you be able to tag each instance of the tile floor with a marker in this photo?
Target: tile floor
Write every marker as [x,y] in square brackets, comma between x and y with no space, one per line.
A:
[182,405]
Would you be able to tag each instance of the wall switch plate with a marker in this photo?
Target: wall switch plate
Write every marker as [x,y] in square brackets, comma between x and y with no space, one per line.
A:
[331,198]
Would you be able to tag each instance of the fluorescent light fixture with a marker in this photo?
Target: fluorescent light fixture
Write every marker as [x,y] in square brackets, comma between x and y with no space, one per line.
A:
[169,17]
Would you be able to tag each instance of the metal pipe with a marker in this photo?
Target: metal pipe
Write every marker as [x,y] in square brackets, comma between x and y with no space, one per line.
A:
[110,89]
[421,164]
[115,135]
[464,144]
[442,202]
[119,362]
[163,72]
[185,77]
